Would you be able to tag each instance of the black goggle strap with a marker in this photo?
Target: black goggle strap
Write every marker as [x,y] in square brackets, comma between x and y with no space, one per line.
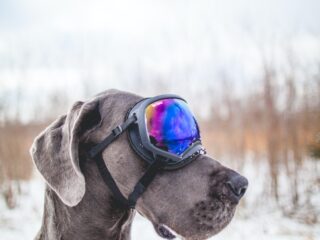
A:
[145,180]
[111,137]
[108,180]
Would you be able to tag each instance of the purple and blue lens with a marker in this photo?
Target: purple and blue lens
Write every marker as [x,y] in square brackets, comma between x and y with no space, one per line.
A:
[171,126]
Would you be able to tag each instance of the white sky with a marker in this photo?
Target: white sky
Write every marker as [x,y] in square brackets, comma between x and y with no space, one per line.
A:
[148,46]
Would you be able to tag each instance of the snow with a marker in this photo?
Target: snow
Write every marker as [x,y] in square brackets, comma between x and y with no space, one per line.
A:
[24,221]
[264,221]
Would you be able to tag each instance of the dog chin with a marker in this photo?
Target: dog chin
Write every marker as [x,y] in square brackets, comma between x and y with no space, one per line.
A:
[203,229]
[167,233]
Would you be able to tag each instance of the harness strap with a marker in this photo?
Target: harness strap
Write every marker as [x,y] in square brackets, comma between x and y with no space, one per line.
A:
[108,180]
[111,137]
[145,180]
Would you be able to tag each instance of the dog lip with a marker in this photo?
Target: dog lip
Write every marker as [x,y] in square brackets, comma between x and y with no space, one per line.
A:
[164,231]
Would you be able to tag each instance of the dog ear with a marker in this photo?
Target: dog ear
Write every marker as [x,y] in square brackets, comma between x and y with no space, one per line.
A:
[55,151]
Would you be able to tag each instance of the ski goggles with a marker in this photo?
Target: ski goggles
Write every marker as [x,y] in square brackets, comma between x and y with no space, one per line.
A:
[165,128]
[163,131]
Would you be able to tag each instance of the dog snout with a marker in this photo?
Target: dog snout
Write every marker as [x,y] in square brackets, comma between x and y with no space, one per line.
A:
[237,185]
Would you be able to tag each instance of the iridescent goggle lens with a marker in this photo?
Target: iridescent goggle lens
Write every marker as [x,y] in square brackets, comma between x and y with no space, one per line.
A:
[171,126]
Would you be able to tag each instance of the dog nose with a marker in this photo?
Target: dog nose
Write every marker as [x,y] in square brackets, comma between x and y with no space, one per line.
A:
[238,185]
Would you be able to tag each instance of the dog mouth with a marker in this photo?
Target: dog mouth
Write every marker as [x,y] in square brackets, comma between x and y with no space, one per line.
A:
[165,232]
[208,217]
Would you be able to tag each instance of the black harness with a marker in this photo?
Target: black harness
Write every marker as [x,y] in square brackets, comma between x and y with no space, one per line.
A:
[96,154]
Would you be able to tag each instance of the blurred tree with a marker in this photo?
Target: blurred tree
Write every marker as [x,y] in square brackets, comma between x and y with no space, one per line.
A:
[314,149]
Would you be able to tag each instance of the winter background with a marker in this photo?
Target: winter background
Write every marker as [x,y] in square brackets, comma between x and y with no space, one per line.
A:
[249,69]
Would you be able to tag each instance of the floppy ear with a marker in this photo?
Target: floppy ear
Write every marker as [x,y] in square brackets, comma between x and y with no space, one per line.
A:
[55,151]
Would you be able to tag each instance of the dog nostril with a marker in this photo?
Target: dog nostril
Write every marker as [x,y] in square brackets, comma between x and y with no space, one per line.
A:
[243,191]
[238,185]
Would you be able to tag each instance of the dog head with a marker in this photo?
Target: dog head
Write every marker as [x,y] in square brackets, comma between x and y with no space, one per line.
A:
[195,201]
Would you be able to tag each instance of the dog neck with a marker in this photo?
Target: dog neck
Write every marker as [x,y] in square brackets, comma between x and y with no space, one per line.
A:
[84,221]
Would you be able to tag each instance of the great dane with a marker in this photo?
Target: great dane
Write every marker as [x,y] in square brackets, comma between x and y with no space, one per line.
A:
[194,202]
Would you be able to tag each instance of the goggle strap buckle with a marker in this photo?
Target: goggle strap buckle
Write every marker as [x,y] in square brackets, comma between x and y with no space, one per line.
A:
[117,131]
[111,137]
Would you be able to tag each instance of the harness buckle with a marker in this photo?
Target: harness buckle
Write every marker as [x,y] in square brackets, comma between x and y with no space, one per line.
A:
[117,131]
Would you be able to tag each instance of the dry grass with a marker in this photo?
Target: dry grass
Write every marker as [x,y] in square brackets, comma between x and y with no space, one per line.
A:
[15,161]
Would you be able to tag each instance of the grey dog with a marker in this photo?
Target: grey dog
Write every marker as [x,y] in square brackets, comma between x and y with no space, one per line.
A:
[194,202]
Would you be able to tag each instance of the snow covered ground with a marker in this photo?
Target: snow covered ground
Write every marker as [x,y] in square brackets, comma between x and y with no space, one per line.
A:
[265,222]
